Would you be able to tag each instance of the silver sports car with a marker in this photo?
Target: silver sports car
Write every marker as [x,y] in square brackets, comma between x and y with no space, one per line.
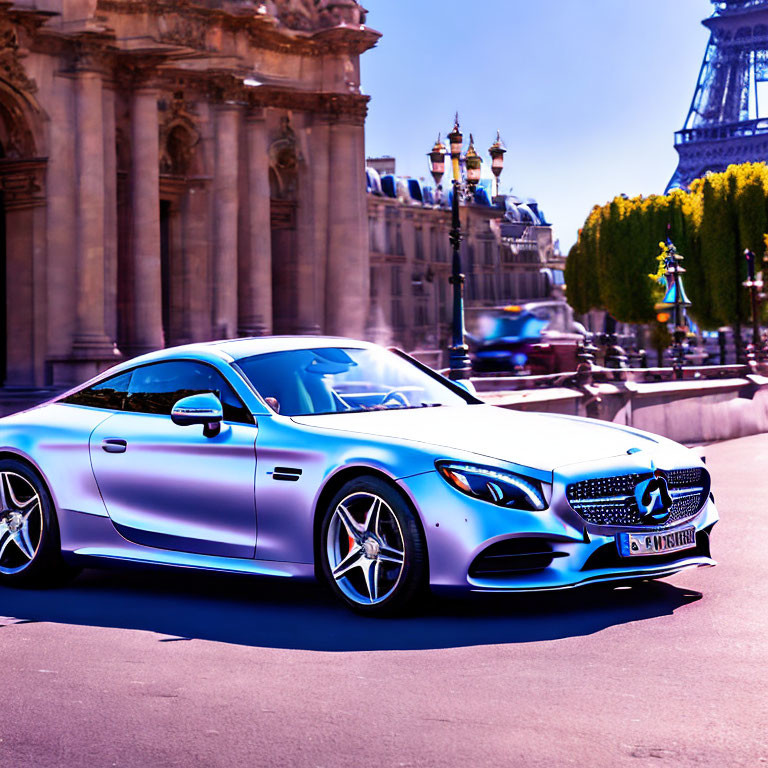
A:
[334,459]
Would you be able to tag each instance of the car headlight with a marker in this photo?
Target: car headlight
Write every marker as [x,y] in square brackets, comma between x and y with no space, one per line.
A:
[504,489]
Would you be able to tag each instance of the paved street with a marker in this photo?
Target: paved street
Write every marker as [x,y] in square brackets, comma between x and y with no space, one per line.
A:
[174,669]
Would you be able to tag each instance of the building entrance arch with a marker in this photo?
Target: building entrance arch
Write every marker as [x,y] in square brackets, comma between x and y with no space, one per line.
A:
[22,251]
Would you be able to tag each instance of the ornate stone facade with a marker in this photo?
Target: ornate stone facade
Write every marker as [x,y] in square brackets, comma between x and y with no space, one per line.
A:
[505,260]
[177,170]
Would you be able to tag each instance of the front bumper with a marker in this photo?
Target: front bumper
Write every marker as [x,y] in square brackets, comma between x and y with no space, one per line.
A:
[458,529]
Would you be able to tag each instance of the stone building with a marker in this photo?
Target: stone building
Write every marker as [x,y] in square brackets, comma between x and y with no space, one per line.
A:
[177,170]
[508,256]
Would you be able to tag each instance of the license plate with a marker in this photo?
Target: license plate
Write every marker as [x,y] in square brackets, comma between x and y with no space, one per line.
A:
[638,544]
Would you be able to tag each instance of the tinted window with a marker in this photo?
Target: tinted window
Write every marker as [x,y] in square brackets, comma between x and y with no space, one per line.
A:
[332,380]
[110,393]
[156,388]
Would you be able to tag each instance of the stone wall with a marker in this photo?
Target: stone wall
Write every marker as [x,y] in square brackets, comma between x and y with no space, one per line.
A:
[688,411]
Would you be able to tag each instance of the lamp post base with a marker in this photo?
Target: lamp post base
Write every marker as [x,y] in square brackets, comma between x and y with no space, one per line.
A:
[459,363]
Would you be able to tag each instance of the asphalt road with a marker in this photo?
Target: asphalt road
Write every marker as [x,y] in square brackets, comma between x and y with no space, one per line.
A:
[165,668]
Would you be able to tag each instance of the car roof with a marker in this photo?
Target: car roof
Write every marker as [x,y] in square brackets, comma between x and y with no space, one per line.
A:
[229,350]
[258,345]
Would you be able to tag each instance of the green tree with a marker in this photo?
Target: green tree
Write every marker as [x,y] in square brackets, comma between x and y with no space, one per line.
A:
[720,247]
[573,280]
[711,224]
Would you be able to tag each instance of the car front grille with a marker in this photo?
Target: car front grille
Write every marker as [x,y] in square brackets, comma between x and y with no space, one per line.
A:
[611,500]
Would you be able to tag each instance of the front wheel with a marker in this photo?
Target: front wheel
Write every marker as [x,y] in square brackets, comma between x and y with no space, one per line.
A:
[30,549]
[372,550]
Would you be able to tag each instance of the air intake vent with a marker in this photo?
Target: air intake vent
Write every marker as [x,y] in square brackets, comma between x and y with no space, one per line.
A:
[512,557]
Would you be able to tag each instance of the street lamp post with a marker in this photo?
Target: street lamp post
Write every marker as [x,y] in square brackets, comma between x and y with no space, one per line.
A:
[458,358]
[754,284]
[675,299]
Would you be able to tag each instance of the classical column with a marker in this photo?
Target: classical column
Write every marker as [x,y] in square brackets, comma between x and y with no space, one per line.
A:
[319,163]
[255,263]
[90,339]
[26,302]
[347,269]
[60,206]
[225,222]
[310,198]
[110,212]
[147,314]
[196,236]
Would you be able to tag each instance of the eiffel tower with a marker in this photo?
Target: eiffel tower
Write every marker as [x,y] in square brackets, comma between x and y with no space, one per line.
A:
[728,119]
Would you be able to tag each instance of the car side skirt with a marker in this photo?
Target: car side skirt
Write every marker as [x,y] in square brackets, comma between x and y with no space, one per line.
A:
[92,539]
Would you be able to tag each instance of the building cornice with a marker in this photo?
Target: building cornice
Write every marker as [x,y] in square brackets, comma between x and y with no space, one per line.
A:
[263,31]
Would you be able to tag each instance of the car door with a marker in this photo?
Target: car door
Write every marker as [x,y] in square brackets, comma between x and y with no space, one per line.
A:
[172,487]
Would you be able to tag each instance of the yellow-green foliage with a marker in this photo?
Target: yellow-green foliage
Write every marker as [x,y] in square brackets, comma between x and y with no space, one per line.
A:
[711,224]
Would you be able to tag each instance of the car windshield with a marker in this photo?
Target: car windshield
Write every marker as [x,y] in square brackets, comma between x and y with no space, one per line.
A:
[304,382]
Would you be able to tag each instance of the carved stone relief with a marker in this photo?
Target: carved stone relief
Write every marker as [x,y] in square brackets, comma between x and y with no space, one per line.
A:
[332,13]
[16,140]
[284,159]
[10,65]
[21,183]
[295,14]
[178,136]
[180,30]
[309,15]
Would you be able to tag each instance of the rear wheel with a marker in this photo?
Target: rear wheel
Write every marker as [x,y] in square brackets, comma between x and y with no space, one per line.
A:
[30,549]
[372,550]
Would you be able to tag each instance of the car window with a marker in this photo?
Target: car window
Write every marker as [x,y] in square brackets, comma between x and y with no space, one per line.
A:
[109,393]
[157,387]
[335,380]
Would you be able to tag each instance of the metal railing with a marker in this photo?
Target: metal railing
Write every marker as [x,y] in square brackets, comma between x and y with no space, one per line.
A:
[599,374]
[722,131]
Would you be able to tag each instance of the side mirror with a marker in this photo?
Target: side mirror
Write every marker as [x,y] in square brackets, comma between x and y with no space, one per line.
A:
[202,409]
[466,384]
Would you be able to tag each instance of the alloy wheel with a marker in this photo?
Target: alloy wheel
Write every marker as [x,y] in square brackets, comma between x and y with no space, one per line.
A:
[21,522]
[365,548]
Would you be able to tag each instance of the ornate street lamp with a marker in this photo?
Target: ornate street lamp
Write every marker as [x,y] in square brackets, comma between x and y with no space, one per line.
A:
[755,285]
[456,141]
[437,161]
[675,299]
[473,163]
[459,362]
[497,152]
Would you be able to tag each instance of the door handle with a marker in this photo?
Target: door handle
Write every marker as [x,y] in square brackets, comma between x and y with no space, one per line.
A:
[114,445]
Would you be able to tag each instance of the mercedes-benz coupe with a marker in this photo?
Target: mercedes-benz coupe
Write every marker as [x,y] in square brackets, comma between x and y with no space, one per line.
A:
[327,458]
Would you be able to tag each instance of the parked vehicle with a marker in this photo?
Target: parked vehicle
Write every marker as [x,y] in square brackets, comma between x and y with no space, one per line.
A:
[304,458]
[536,337]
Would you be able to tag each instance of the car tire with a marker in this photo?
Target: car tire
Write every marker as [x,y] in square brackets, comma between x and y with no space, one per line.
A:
[372,551]
[30,544]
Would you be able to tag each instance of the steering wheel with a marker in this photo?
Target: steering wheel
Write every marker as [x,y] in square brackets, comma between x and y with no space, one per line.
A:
[396,396]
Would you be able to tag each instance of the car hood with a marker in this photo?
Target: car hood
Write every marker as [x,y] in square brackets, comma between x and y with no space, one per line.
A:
[535,440]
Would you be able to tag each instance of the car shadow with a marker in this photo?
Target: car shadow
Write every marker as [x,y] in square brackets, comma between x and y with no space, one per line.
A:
[188,605]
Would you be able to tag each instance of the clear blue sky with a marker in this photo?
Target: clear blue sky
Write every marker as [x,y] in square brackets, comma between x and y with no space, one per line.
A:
[587,93]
